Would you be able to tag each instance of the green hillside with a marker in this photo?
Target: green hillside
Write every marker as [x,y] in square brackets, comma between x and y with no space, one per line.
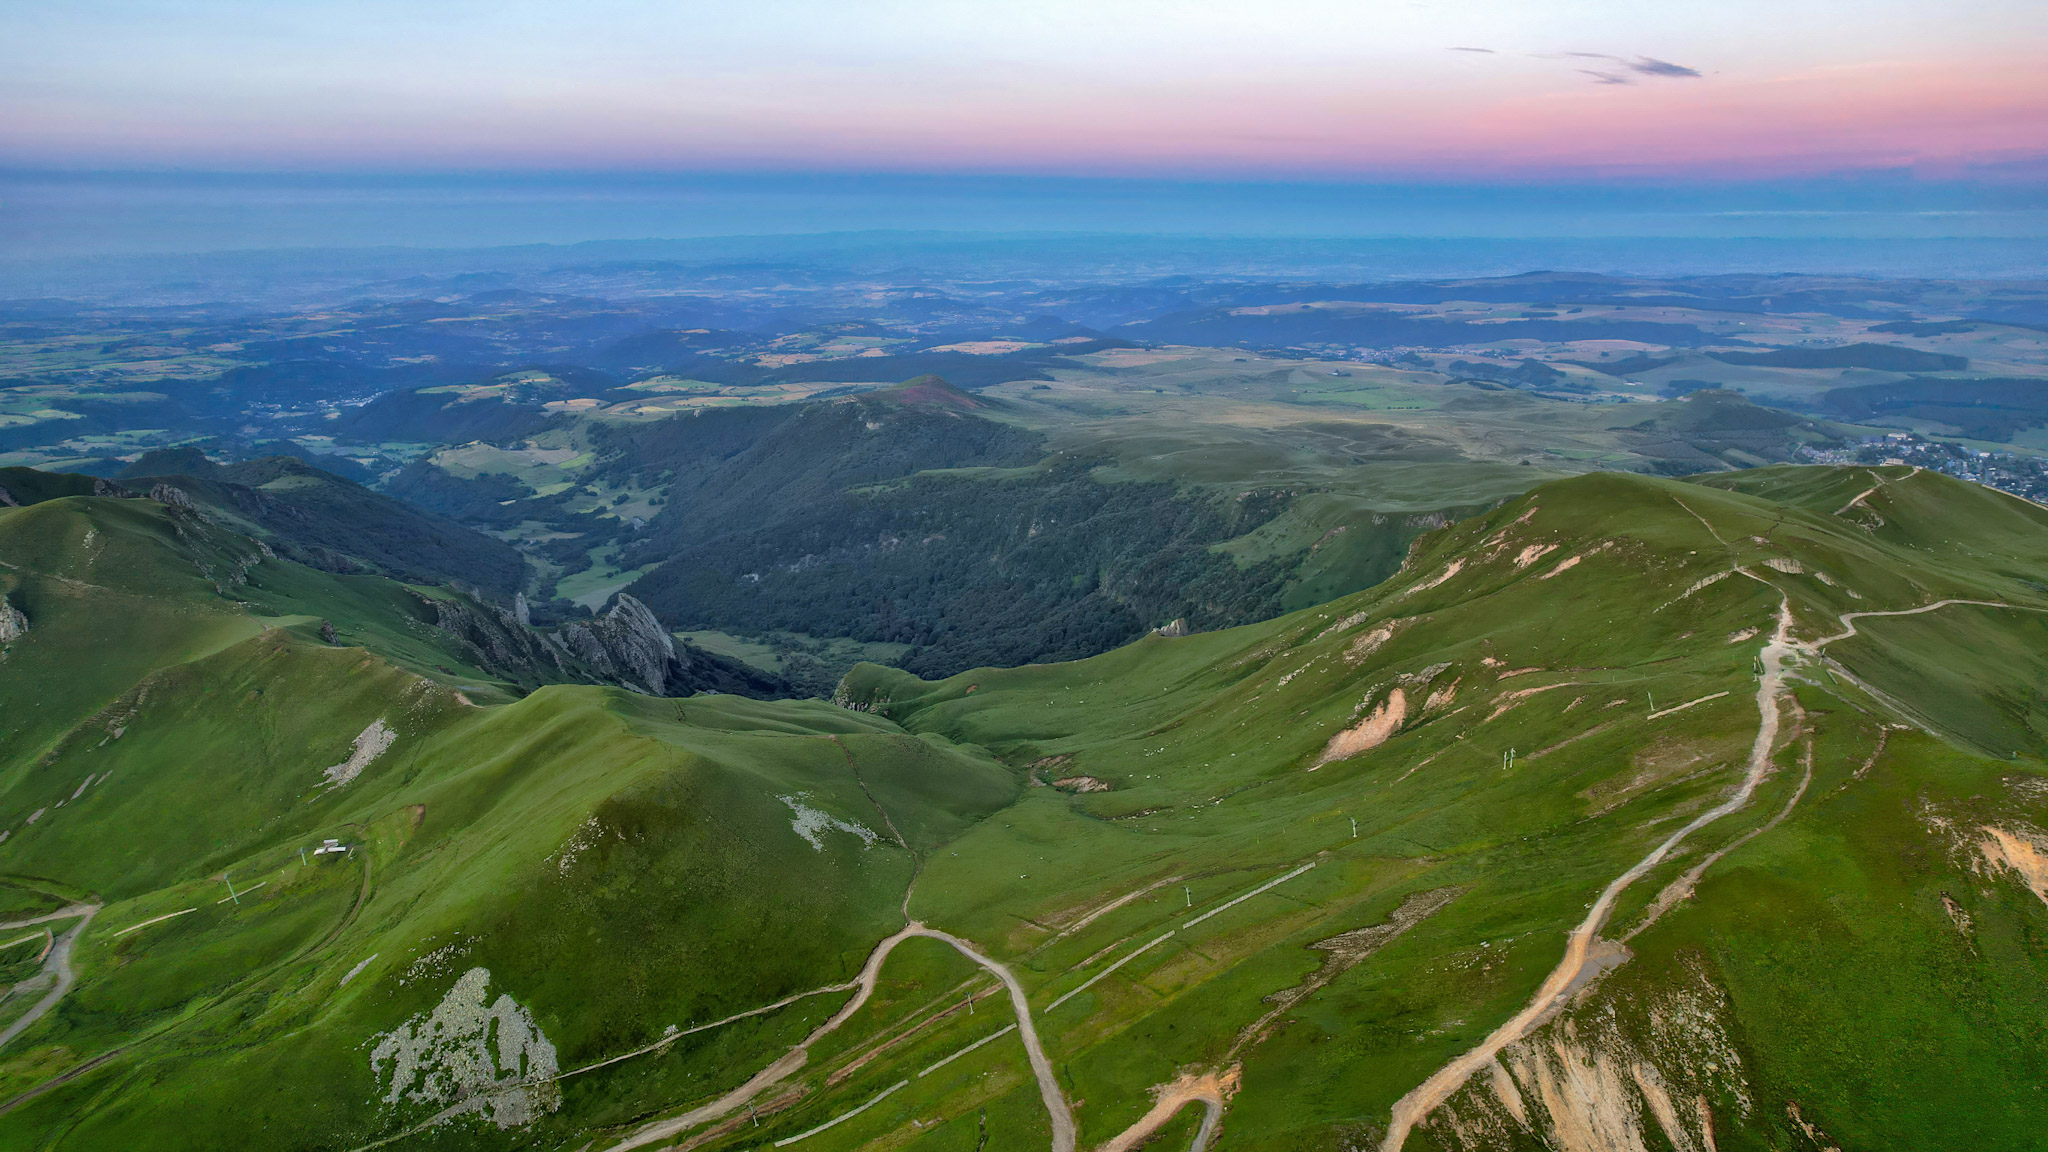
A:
[1635,813]
[321,519]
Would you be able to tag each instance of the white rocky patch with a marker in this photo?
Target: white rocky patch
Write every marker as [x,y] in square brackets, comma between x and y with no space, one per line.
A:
[13,625]
[809,823]
[357,970]
[374,742]
[1455,567]
[582,840]
[490,1058]
[1347,623]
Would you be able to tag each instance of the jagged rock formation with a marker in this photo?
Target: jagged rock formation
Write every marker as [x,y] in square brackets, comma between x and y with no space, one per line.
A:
[626,646]
[12,623]
[497,640]
[629,646]
[171,496]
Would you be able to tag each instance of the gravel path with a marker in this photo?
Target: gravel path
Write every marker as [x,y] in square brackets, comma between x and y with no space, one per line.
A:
[1207,1090]
[58,962]
[1586,955]
[1056,1107]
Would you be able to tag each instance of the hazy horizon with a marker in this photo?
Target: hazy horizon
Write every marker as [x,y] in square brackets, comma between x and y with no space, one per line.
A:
[51,215]
[230,125]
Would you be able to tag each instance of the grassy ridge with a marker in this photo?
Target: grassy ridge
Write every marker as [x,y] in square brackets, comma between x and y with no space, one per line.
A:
[1575,674]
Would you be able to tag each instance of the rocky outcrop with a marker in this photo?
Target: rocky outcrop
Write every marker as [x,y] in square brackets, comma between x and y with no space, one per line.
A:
[497,641]
[13,625]
[171,496]
[628,645]
[626,642]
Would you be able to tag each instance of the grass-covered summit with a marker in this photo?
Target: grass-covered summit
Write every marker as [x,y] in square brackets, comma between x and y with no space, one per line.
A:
[1635,813]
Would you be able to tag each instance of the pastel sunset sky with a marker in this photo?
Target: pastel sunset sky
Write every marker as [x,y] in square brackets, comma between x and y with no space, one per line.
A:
[1225,89]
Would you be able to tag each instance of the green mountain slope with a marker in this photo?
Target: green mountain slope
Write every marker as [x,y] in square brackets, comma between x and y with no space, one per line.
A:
[1636,813]
[319,518]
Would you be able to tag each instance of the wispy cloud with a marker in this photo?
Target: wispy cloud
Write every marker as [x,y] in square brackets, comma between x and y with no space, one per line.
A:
[1628,67]
[1649,66]
[1488,51]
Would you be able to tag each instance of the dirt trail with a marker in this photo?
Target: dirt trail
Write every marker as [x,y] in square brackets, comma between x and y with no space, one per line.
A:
[1210,1089]
[1848,619]
[1860,498]
[1586,955]
[1056,1108]
[57,961]
[1682,887]
[1702,519]
[64,913]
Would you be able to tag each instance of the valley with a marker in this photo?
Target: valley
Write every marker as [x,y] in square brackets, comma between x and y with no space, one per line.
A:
[1081,577]
[719,709]
[801,467]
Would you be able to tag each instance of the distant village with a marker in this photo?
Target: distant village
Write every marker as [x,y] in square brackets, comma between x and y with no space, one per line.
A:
[2021,475]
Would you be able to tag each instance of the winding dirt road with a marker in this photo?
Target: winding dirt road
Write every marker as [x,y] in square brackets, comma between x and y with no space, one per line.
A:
[1849,618]
[1056,1108]
[1586,955]
[58,961]
[1209,1089]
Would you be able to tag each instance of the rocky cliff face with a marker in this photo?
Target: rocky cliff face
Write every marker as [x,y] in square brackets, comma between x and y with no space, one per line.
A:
[499,641]
[626,646]
[12,623]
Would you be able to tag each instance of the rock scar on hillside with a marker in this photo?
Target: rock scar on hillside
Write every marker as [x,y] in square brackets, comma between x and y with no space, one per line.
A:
[1368,733]
[809,822]
[2020,853]
[473,1056]
[372,743]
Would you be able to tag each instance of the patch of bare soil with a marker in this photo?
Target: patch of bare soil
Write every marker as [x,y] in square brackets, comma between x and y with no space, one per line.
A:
[1450,570]
[1081,784]
[1589,1083]
[1368,733]
[1367,644]
[1507,700]
[2020,852]
[1213,1089]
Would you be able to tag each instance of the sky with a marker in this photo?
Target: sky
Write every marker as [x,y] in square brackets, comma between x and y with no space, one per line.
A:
[1836,97]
